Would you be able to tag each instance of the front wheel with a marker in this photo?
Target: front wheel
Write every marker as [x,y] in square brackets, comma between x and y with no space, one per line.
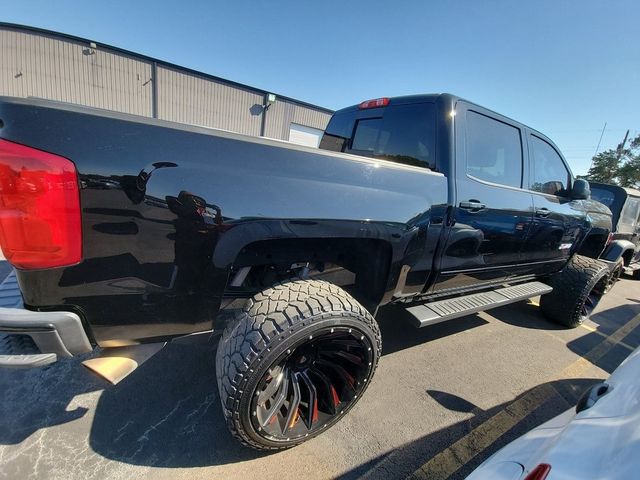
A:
[577,290]
[293,362]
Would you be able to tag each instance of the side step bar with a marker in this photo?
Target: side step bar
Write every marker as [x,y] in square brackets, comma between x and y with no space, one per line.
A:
[442,310]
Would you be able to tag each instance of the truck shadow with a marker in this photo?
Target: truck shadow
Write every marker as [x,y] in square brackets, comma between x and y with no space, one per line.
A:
[398,333]
[167,413]
[607,322]
[525,315]
[35,399]
[403,461]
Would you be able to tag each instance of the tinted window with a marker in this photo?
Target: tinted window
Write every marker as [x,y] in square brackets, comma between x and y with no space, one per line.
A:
[400,133]
[338,133]
[494,150]
[603,196]
[549,175]
[365,137]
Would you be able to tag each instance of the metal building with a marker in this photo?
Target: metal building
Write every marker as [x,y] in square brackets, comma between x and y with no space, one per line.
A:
[45,64]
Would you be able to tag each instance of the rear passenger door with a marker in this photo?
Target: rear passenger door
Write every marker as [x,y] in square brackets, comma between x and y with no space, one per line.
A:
[492,213]
[558,220]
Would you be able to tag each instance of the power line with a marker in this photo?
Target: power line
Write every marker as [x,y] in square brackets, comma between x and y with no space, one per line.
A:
[598,147]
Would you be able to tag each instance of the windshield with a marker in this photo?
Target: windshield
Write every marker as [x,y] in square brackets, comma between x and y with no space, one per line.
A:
[400,133]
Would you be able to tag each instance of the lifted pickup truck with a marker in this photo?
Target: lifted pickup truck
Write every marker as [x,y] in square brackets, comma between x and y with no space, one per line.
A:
[623,248]
[127,230]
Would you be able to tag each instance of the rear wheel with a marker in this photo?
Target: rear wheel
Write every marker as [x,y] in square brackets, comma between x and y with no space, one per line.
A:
[293,362]
[577,290]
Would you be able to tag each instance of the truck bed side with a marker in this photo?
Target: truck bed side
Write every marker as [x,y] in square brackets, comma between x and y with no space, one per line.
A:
[167,210]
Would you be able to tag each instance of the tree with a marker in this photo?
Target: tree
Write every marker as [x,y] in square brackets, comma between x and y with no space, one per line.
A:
[604,167]
[629,173]
[619,167]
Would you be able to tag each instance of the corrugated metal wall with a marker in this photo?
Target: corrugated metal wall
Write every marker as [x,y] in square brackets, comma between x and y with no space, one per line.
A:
[45,67]
[190,99]
[56,67]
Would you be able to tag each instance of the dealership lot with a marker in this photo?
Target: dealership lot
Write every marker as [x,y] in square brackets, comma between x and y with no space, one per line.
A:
[444,398]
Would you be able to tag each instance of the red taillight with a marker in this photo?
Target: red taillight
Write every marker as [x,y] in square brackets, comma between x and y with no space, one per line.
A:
[39,208]
[375,103]
[539,473]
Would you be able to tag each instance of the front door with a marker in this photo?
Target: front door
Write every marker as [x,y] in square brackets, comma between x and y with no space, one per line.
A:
[558,220]
[492,214]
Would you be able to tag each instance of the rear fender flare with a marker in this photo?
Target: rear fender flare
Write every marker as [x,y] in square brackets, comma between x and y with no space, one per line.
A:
[400,239]
[231,242]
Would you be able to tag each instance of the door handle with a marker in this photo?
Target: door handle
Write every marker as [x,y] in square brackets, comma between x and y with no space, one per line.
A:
[473,205]
[543,212]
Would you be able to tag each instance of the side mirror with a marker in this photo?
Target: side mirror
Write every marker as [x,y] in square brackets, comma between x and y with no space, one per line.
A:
[580,190]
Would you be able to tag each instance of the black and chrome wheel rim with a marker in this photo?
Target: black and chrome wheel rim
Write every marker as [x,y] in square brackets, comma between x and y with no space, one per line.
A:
[312,384]
[613,278]
[593,298]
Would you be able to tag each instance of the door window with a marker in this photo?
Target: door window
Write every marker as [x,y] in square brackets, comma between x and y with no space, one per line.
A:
[549,173]
[494,150]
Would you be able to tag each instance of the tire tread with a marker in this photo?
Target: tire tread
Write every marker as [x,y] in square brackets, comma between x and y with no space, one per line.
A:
[267,319]
[570,288]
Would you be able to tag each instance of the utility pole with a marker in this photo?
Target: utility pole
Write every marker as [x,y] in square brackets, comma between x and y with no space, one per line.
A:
[620,148]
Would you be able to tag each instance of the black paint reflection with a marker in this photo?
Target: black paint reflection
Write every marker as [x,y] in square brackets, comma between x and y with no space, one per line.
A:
[196,233]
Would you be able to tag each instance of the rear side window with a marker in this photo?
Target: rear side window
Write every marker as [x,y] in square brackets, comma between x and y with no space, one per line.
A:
[400,133]
[494,150]
[549,175]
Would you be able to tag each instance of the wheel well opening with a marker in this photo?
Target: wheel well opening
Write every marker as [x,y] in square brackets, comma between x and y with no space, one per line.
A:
[626,257]
[593,245]
[359,265]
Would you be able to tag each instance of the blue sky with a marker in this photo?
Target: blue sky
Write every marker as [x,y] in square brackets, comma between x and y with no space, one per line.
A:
[564,68]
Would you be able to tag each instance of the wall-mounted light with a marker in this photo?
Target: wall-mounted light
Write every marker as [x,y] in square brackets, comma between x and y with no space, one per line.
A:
[269,99]
[91,50]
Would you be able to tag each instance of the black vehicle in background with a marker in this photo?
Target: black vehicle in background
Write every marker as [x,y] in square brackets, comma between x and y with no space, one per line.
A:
[624,244]
[126,230]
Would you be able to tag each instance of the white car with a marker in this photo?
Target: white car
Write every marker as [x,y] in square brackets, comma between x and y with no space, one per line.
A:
[598,439]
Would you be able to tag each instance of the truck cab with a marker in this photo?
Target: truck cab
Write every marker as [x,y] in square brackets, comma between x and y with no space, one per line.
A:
[515,210]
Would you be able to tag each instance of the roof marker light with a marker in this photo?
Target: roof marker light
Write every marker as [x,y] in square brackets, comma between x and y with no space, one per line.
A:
[375,103]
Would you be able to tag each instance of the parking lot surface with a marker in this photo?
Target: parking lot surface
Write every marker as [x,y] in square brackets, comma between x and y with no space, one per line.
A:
[444,398]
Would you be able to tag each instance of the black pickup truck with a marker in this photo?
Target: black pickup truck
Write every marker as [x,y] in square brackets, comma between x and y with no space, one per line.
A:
[127,231]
